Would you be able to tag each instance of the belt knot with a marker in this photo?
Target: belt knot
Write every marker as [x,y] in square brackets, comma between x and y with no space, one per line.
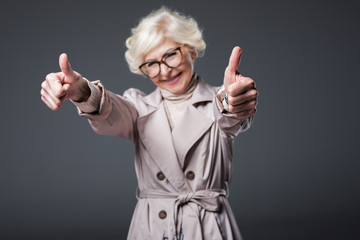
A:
[185,198]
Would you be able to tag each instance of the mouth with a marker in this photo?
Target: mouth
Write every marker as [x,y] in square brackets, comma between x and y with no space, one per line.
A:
[172,80]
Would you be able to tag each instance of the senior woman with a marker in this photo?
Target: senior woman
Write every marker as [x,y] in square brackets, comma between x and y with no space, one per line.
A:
[183,131]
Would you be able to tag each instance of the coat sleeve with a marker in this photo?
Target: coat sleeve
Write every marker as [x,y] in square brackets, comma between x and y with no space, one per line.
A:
[108,113]
[228,124]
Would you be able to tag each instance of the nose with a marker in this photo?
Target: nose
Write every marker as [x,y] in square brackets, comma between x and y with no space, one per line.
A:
[164,70]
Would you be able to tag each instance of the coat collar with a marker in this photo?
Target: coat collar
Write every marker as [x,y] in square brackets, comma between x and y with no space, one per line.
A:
[202,93]
[168,149]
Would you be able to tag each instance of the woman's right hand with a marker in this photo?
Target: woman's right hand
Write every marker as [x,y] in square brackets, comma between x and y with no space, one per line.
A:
[61,86]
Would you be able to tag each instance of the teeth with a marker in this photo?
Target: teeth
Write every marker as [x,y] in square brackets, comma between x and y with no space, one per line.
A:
[172,78]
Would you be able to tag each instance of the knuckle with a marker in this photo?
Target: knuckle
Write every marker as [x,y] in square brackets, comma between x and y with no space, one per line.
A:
[56,102]
[230,100]
[248,79]
[254,93]
[231,90]
[50,76]
[58,93]
[56,107]
[231,108]
[253,104]
[250,82]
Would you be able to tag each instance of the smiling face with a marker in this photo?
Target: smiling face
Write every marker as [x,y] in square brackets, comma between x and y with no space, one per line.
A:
[174,80]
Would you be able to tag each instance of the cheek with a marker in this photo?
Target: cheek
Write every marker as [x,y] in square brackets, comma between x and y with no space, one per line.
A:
[189,64]
[155,81]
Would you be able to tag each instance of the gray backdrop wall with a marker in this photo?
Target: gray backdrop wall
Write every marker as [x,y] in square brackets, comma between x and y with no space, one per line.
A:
[296,171]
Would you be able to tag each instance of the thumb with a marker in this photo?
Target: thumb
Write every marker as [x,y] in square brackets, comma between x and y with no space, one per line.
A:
[65,66]
[231,69]
[234,60]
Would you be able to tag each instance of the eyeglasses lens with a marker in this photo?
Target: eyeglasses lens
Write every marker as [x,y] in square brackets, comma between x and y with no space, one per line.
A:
[171,59]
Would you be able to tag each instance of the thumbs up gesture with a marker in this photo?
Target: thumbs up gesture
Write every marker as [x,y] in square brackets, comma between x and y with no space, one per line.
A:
[61,86]
[241,91]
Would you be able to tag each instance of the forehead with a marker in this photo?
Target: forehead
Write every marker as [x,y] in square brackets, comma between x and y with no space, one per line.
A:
[158,51]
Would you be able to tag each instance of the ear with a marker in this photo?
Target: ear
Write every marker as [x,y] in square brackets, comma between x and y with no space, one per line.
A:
[193,54]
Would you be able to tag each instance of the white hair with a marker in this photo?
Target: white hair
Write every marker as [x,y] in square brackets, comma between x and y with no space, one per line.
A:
[157,26]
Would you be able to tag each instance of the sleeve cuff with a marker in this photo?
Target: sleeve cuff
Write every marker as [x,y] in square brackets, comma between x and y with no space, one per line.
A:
[93,102]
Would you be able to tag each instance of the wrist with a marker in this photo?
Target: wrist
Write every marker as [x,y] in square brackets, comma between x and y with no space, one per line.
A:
[222,99]
[84,92]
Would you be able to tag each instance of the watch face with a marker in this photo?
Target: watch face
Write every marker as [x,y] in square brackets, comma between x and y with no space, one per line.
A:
[225,103]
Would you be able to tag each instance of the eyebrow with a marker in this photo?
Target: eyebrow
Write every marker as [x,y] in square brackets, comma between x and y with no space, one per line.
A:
[154,60]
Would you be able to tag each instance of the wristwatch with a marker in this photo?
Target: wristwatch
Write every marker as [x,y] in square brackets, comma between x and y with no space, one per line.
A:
[225,102]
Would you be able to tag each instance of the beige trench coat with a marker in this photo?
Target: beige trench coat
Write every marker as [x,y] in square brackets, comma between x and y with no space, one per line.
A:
[182,174]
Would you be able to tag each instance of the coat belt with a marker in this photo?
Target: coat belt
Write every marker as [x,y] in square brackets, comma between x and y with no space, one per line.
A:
[209,199]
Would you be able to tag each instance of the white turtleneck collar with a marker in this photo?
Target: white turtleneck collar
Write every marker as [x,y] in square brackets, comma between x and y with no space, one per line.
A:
[187,93]
[175,105]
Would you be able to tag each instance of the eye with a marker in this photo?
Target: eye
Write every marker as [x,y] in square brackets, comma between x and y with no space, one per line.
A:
[151,64]
[171,54]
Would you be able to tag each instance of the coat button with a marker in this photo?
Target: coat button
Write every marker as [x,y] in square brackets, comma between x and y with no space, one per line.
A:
[162,214]
[160,175]
[190,175]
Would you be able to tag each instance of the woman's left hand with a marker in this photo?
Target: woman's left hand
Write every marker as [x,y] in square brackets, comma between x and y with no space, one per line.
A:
[242,94]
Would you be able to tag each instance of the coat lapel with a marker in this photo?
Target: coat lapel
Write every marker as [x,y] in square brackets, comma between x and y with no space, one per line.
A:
[194,123]
[169,149]
[154,131]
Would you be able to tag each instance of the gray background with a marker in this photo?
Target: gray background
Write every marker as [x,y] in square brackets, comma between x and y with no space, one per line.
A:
[296,171]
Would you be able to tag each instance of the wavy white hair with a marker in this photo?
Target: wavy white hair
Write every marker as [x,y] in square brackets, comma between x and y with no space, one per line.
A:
[154,28]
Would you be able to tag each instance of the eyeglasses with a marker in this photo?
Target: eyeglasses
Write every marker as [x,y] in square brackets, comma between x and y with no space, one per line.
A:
[172,59]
